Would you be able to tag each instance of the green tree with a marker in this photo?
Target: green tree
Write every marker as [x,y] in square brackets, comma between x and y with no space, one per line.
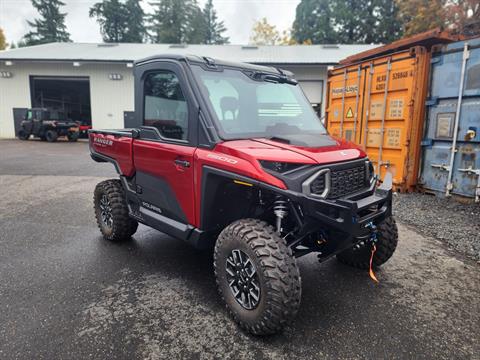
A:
[314,22]
[120,21]
[136,30]
[213,27]
[112,17]
[346,21]
[3,41]
[389,27]
[176,22]
[421,15]
[50,27]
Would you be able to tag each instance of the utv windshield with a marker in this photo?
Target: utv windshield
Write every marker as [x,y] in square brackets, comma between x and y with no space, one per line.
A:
[249,104]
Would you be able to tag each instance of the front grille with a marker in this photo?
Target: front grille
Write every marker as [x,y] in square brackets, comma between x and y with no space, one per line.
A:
[342,181]
[348,181]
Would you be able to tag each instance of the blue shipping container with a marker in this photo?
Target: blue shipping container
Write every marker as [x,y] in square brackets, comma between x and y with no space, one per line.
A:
[453,122]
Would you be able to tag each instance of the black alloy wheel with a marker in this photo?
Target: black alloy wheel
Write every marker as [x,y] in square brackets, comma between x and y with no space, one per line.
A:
[243,279]
[106,211]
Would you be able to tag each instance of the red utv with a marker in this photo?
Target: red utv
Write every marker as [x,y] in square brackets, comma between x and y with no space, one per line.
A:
[233,156]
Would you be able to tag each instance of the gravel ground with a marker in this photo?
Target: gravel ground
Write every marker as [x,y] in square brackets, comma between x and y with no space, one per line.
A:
[456,224]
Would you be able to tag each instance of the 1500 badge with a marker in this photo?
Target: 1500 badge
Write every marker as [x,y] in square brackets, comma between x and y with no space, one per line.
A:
[222,158]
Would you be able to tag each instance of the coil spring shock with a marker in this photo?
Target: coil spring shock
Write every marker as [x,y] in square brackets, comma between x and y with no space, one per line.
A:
[280,209]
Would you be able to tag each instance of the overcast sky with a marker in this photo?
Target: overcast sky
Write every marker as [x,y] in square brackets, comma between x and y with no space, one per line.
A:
[238,15]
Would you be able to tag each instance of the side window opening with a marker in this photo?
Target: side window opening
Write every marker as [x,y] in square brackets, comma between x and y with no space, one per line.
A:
[165,105]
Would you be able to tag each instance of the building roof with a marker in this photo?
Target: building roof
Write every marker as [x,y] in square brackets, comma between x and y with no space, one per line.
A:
[281,54]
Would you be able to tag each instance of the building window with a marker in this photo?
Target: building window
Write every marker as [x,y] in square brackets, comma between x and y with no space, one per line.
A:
[165,106]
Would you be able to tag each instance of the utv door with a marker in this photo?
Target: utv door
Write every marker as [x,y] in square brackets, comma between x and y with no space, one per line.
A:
[37,122]
[164,149]
[28,123]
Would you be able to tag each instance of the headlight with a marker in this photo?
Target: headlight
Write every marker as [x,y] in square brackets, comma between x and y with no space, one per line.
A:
[279,167]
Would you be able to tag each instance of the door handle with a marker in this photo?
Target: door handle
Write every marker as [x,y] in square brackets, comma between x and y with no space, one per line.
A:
[183,163]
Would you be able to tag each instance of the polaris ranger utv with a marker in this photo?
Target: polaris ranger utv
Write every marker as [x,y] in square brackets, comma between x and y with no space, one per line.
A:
[47,125]
[232,156]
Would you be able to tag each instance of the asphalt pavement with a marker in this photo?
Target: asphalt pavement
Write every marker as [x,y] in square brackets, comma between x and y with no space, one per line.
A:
[67,294]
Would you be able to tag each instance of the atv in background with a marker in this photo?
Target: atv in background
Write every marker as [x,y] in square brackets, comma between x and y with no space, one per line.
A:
[47,125]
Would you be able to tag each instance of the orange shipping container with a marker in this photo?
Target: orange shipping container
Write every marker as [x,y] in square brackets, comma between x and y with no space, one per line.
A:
[379,104]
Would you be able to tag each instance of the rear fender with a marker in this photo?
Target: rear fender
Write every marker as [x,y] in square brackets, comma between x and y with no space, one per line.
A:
[115,147]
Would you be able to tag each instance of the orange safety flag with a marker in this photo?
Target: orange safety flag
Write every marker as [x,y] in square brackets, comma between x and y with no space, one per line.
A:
[371,273]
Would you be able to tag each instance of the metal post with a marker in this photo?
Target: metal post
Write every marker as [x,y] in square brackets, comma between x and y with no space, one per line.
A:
[367,112]
[343,100]
[359,73]
[384,114]
[466,55]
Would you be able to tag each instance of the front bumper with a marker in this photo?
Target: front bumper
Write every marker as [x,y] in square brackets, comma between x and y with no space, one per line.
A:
[346,221]
[350,215]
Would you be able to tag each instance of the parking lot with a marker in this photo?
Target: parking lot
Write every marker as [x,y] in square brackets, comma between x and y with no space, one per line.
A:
[66,293]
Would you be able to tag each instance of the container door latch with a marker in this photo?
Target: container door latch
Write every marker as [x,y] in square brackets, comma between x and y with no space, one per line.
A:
[477,173]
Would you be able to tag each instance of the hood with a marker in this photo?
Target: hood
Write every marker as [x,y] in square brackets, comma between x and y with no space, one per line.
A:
[306,149]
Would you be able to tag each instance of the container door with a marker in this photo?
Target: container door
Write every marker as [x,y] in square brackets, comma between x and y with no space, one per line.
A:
[393,115]
[451,86]
[345,90]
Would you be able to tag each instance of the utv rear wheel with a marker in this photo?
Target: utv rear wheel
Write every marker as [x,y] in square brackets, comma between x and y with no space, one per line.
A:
[73,136]
[51,135]
[111,211]
[23,135]
[386,245]
[257,276]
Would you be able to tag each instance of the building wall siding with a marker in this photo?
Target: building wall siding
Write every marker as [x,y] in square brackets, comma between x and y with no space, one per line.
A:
[109,98]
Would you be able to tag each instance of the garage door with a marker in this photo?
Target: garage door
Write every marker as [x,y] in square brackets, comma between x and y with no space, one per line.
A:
[313,90]
[71,95]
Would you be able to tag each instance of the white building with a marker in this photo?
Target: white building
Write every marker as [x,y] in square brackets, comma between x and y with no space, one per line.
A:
[93,83]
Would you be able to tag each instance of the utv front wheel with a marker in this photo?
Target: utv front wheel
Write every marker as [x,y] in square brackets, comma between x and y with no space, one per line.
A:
[23,135]
[387,239]
[111,211]
[51,135]
[257,276]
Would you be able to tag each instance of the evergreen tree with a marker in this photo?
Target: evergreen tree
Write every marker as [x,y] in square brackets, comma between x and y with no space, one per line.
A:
[3,41]
[314,23]
[389,27]
[176,22]
[213,28]
[136,30]
[50,27]
[346,21]
[350,17]
[113,18]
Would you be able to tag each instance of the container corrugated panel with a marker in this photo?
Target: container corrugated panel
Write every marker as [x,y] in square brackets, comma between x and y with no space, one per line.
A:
[379,104]
[455,80]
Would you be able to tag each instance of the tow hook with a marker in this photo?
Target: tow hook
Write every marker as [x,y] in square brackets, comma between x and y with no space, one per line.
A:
[373,241]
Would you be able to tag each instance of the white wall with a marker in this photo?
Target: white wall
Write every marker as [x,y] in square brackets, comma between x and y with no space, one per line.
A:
[310,73]
[109,98]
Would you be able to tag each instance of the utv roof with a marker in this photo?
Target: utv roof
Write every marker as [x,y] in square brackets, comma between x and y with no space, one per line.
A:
[211,62]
